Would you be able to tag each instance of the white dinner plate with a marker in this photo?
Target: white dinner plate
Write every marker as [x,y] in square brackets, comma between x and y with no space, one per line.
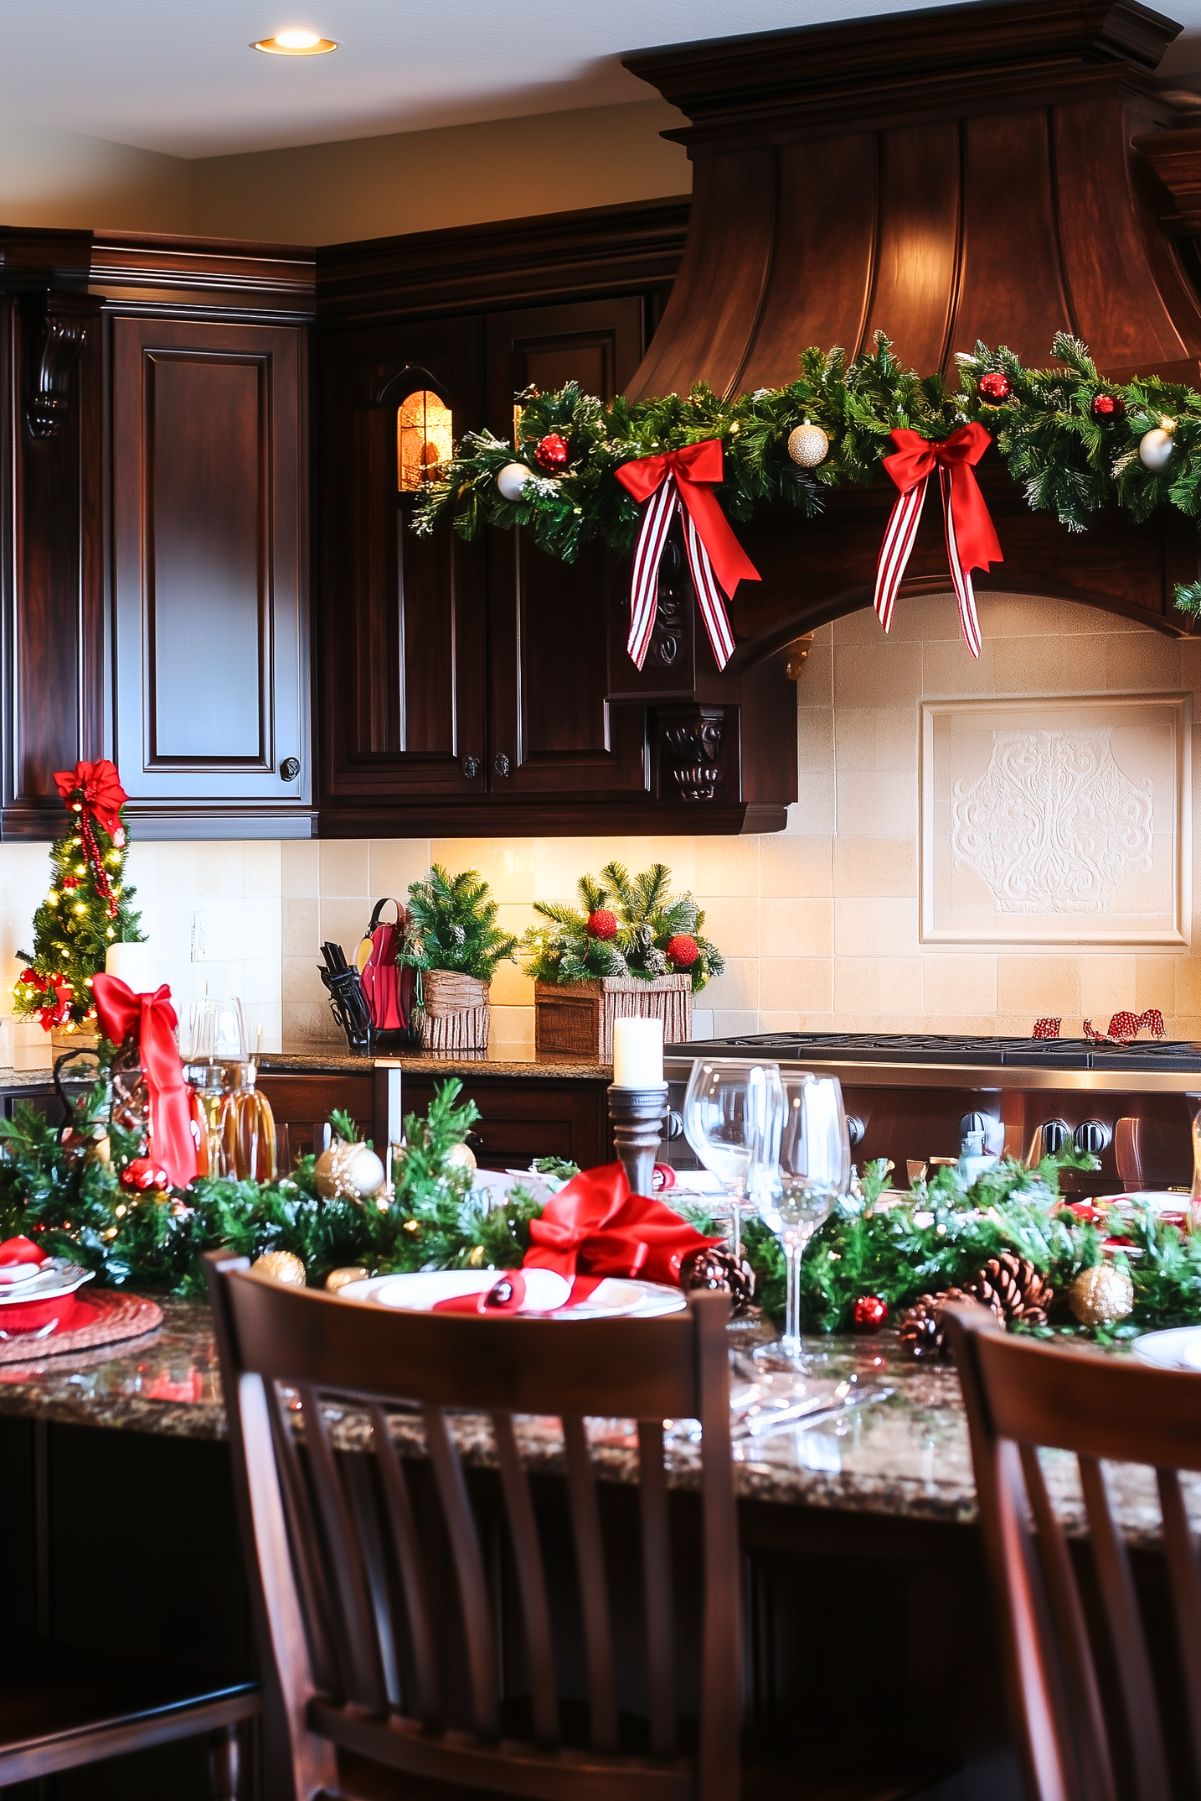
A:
[1179,1348]
[615,1297]
[1160,1200]
[52,1281]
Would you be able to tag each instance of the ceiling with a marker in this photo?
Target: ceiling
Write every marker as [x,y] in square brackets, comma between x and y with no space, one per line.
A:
[181,78]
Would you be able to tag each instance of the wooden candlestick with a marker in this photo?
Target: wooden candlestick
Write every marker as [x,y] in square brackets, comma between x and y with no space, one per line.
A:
[637,1115]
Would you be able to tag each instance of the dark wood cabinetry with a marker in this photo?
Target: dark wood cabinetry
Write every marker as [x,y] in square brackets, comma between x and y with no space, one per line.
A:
[208,564]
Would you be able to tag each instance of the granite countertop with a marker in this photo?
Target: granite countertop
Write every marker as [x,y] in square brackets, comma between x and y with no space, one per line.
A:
[492,1062]
[905,1456]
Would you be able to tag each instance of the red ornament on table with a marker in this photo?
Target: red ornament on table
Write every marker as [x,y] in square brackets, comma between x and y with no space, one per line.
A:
[551,452]
[1107,407]
[994,387]
[869,1313]
[602,924]
[682,951]
[143,1174]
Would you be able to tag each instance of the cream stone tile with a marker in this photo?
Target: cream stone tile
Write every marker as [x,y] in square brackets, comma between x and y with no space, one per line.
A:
[815,739]
[982,1025]
[860,627]
[901,988]
[726,866]
[264,1024]
[728,1021]
[949,671]
[1143,660]
[793,928]
[796,865]
[260,982]
[855,737]
[1107,983]
[1188,986]
[897,732]
[262,868]
[261,926]
[516,918]
[1155,982]
[881,867]
[162,870]
[856,985]
[506,864]
[394,863]
[732,925]
[1088,662]
[300,868]
[702,1022]
[221,869]
[777,1020]
[301,937]
[1033,666]
[308,1023]
[924,618]
[881,803]
[512,1028]
[883,676]
[343,922]
[737,985]
[1034,616]
[1034,986]
[804,982]
[815,687]
[345,869]
[865,928]
[511,987]
[813,812]
[954,982]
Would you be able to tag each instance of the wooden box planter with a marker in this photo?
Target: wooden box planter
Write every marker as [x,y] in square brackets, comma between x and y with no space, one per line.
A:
[576,1018]
[455,1011]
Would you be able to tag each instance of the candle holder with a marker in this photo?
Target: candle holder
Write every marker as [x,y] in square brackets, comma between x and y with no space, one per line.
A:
[636,1116]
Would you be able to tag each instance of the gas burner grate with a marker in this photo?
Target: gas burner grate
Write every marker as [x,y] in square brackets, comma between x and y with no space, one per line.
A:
[929,1047]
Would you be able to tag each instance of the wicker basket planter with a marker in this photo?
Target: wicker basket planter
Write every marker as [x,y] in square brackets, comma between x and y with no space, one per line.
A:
[576,1018]
[455,1016]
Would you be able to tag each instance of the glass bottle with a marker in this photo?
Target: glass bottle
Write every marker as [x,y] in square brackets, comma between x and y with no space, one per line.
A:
[248,1148]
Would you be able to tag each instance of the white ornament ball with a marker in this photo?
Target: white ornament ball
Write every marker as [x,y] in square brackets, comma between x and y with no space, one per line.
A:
[351,1171]
[461,1156]
[808,445]
[512,479]
[1155,448]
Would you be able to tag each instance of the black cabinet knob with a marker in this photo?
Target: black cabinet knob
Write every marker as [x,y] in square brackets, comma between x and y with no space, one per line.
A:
[289,769]
[501,763]
[470,767]
[1092,1135]
[856,1129]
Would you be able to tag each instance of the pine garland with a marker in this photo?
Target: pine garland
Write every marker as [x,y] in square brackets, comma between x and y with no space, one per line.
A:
[453,925]
[1067,460]
[651,931]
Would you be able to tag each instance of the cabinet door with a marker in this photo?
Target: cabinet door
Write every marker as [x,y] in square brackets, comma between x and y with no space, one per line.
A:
[521,1118]
[401,638]
[208,547]
[552,730]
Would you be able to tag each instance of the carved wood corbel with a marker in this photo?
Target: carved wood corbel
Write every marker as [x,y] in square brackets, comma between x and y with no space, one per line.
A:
[57,327]
[690,752]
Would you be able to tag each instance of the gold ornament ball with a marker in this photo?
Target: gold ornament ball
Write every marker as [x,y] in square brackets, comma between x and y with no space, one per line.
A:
[338,1279]
[349,1172]
[1102,1295]
[461,1156]
[279,1266]
[808,445]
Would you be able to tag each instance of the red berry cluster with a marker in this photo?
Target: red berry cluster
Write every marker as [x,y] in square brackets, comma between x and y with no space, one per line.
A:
[682,950]
[602,924]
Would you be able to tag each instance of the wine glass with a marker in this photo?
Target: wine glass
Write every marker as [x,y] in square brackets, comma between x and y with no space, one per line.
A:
[216,1039]
[733,1110]
[813,1169]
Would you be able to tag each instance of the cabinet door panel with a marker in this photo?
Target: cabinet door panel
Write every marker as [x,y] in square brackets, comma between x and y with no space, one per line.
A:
[401,639]
[552,728]
[208,519]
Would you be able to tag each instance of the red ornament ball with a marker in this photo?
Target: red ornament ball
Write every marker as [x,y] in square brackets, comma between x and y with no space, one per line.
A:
[70,881]
[682,950]
[994,387]
[142,1175]
[1107,406]
[602,924]
[551,452]
[869,1313]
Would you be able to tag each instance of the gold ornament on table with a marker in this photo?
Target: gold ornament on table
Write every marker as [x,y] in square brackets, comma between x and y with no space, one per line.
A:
[808,445]
[279,1266]
[461,1156]
[1102,1295]
[338,1279]
[349,1172]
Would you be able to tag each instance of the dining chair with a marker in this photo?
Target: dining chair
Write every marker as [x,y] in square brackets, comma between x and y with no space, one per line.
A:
[345,1534]
[1103,1676]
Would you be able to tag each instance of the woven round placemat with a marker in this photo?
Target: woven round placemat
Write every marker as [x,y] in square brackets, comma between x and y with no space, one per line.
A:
[102,1319]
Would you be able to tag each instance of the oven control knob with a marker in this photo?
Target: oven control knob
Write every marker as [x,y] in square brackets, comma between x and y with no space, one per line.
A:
[856,1129]
[1054,1134]
[1092,1135]
[673,1126]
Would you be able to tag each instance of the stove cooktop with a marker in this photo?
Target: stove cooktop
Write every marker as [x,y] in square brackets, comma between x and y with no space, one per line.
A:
[930,1047]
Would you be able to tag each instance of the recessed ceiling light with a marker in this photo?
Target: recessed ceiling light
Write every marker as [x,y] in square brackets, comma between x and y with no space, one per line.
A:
[296,41]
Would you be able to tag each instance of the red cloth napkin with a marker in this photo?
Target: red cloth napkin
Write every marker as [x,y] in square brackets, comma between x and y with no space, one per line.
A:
[597,1227]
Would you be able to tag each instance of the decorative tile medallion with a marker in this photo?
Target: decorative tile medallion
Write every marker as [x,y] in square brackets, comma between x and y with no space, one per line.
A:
[1056,821]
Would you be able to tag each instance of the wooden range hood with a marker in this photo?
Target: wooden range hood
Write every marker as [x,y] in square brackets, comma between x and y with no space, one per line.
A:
[998,171]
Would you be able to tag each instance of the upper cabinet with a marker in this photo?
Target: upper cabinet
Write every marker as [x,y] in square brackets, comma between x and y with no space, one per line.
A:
[208,530]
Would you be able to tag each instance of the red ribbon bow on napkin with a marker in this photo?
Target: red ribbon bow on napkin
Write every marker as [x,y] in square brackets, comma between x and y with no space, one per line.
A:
[597,1227]
[150,1018]
[682,481]
[97,787]
[972,541]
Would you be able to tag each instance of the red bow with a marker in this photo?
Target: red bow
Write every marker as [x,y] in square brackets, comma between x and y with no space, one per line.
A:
[96,786]
[150,1018]
[972,541]
[596,1227]
[682,481]
[57,1011]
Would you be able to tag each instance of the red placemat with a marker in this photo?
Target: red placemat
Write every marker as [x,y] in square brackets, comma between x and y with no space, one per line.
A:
[104,1318]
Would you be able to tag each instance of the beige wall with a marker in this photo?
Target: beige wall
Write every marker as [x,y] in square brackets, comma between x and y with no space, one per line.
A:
[63,179]
[423,180]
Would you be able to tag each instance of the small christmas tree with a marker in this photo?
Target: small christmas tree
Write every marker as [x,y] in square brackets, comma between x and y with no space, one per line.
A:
[453,926]
[88,906]
[623,925]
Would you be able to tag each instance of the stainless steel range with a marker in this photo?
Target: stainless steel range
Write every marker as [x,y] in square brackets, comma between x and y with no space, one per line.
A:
[909,1096]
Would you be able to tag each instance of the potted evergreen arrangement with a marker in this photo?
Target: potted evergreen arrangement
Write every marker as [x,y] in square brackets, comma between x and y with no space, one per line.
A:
[455,944]
[629,947]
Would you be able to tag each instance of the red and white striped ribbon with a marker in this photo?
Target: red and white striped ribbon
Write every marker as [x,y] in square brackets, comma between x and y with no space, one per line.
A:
[657,515]
[894,552]
[961,578]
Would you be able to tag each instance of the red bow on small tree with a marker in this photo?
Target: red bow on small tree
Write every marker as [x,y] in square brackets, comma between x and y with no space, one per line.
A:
[150,1020]
[95,788]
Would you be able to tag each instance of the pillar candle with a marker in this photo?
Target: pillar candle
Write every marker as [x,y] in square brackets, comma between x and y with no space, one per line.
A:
[133,963]
[637,1053]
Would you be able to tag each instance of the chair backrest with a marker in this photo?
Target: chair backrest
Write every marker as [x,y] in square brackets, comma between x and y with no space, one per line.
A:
[1095,1719]
[341,1539]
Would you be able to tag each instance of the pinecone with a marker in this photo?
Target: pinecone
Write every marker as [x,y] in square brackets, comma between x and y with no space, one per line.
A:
[716,1268]
[923,1331]
[1014,1289]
